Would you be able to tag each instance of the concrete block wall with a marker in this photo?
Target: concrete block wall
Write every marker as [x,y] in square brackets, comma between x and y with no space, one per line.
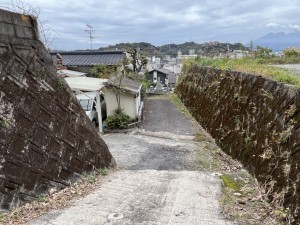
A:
[254,119]
[46,138]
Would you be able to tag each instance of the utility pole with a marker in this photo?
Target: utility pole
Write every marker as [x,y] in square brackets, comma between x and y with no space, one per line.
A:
[228,49]
[90,31]
[227,45]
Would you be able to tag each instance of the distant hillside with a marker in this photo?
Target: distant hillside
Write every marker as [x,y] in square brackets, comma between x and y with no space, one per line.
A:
[208,48]
[147,49]
[278,41]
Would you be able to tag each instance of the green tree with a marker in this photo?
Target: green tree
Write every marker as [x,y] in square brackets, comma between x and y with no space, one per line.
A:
[138,62]
[291,53]
[104,71]
[262,52]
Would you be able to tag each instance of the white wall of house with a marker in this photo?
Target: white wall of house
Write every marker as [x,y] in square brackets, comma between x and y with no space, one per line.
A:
[128,103]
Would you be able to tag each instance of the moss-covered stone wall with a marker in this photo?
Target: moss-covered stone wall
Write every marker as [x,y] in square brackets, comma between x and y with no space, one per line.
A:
[46,139]
[254,119]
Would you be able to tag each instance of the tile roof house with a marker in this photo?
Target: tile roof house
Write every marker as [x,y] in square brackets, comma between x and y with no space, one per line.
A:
[167,77]
[83,61]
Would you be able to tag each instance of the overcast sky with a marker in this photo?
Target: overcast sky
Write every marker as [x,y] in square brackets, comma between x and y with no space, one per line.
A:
[162,21]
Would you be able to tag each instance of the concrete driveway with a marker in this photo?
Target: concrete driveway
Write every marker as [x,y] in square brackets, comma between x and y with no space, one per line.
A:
[294,68]
[158,180]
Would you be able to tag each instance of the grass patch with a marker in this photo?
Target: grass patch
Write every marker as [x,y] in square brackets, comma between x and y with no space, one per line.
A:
[177,102]
[231,182]
[200,136]
[254,66]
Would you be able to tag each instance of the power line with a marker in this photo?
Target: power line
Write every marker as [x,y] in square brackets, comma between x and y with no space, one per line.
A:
[90,31]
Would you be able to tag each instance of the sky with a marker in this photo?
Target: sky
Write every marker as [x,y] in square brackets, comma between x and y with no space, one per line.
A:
[158,22]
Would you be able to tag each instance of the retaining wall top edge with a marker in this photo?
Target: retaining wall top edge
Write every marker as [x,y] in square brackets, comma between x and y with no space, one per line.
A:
[286,85]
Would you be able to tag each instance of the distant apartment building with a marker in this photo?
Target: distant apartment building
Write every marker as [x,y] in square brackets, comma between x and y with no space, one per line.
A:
[235,54]
[191,55]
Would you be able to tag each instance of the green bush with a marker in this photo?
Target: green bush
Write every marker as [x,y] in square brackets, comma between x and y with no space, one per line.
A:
[119,120]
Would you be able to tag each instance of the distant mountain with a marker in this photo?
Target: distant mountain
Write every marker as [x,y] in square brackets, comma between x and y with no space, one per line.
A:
[278,41]
[207,48]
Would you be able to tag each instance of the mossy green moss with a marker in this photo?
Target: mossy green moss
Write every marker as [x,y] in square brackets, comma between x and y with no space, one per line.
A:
[230,182]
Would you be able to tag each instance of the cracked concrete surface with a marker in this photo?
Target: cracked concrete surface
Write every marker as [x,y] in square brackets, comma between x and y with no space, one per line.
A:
[158,182]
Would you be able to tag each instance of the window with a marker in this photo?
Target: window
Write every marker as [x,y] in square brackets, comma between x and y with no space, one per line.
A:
[86,104]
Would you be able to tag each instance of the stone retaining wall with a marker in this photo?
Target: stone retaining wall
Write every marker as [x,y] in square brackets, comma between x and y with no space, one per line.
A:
[255,120]
[46,138]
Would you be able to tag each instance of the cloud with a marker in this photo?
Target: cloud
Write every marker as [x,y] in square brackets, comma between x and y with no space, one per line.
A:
[163,22]
[274,25]
[294,27]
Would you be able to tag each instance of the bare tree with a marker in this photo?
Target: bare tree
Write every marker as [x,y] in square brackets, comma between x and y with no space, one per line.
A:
[138,62]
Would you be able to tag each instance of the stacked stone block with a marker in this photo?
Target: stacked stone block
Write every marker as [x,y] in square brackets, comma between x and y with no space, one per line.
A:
[254,119]
[46,138]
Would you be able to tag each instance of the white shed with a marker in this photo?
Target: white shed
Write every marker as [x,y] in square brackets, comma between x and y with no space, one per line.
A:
[130,99]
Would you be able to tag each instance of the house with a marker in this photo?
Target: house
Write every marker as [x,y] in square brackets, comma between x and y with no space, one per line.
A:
[167,77]
[84,61]
[130,98]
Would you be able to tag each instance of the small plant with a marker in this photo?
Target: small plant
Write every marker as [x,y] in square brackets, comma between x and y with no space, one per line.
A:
[2,217]
[282,213]
[264,93]
[290,112]
[119,120]
[61,83]
[103,171]
[200,136]
[6,122]
[285,135]
[91,179]
[41,198]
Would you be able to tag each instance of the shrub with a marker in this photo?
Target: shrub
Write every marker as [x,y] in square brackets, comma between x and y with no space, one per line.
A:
[119,120]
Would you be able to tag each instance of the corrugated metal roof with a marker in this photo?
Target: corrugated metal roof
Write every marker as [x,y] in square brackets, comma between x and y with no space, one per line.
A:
[127,84]
[85,83]
[89,58]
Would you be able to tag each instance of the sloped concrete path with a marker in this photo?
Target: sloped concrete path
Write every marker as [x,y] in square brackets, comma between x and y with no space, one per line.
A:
[158,182]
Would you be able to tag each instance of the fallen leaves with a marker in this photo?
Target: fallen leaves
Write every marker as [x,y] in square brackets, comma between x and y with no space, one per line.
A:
[55,199]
